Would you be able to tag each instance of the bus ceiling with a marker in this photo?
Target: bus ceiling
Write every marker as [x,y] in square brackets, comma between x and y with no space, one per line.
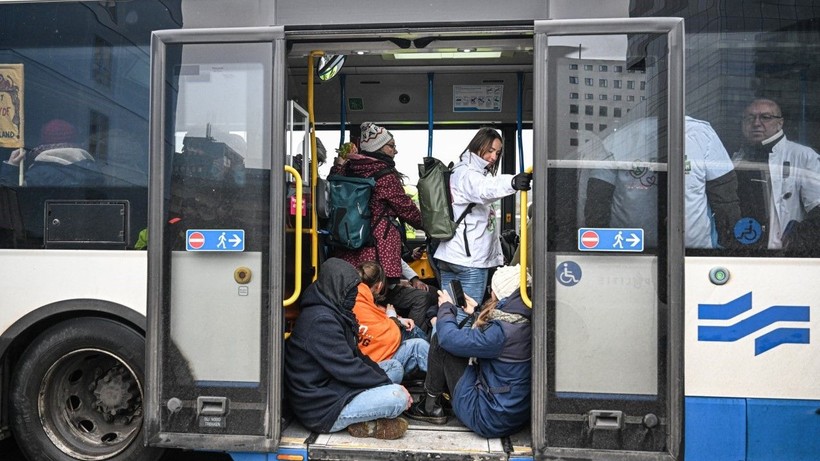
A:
[394,55]
[390,77]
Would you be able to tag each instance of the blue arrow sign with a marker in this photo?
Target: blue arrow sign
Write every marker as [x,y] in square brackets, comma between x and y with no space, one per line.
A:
[215,240]
[602,239]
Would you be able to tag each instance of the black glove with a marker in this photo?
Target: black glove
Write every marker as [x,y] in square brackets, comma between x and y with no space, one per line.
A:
[521,181]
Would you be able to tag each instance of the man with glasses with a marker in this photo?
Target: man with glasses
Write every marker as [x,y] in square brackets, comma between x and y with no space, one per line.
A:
[777,184]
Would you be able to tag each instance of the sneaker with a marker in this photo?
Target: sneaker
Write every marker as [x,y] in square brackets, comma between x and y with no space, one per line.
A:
[427,408]
[387,429]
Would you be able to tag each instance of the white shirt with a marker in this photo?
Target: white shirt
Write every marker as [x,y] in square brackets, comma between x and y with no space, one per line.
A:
[471,183]
[794,178]
[632,151]
[706,160]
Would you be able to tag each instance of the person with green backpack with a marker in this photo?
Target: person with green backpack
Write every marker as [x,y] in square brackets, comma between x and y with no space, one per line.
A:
[388,205]
[475,248]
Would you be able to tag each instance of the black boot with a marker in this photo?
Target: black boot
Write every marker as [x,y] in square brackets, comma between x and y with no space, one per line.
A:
[427,409]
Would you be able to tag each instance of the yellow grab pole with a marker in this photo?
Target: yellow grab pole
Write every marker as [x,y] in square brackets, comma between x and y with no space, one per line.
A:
[314,169]
[297,276]
[523,250]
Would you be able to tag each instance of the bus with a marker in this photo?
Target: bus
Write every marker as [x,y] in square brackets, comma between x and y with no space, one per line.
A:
[128,329]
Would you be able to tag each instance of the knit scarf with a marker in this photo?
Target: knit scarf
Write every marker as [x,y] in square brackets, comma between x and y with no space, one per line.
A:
[381,156]
[508,317]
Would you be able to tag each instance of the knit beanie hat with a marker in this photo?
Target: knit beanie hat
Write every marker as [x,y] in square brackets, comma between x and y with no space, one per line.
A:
[373,137]
[58,132]
[506,280]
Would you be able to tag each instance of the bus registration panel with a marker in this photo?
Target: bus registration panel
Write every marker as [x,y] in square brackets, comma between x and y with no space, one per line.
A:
[215,240]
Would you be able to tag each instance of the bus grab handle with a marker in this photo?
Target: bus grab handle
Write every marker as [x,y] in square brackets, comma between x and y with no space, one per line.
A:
[523,247]
[297,235]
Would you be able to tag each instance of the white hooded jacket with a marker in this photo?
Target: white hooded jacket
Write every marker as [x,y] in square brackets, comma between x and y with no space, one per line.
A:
[471,183]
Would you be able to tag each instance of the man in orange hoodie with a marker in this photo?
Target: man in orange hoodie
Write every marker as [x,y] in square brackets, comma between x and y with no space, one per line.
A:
[380,330]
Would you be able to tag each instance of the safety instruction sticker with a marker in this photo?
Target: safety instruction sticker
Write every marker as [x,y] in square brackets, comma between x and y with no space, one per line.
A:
[477,98]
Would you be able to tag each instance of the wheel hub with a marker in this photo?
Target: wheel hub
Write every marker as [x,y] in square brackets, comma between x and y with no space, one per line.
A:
[112,392]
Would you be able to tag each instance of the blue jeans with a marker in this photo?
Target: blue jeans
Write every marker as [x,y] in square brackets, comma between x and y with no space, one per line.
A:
[415,332]
[394,369]
[473,281]
[412,353]
[388,401]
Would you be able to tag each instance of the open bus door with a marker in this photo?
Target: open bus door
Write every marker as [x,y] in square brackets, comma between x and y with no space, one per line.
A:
[610,340]
[217,131]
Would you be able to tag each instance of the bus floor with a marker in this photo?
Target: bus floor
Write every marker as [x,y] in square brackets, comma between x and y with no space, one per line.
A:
[422,440]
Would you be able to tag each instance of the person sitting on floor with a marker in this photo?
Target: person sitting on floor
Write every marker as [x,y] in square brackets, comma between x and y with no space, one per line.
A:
[329,383]
[382,334]
[487,367]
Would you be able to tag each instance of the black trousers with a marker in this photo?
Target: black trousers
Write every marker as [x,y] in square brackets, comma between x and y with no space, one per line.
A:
[443,369]
[412,303]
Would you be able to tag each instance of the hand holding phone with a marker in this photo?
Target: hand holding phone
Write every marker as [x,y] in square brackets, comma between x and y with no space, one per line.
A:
[458,293]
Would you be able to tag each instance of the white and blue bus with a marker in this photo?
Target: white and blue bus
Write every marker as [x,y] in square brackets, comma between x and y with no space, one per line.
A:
[128,330]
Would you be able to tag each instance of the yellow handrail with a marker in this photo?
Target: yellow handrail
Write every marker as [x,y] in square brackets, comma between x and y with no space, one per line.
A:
[297,235]
[314,169]
[522,288]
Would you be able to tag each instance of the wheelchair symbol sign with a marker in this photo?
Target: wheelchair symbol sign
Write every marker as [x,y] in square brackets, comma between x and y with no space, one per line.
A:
[748,231]
[568,273]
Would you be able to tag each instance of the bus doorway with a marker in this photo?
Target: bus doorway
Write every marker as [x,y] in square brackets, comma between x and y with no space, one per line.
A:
[414,81]
[219,333]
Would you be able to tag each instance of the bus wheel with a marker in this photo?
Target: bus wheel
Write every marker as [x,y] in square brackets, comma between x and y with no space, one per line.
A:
[77,393]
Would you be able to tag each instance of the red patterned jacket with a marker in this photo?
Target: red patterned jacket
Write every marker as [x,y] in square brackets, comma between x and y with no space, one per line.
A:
[387,203]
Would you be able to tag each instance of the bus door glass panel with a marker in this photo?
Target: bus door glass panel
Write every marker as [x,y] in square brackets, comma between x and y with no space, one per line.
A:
[297,145]
[215,320]
[608,248]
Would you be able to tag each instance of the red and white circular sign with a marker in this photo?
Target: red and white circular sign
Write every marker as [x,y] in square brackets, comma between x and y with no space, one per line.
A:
[196,240]
[589,239]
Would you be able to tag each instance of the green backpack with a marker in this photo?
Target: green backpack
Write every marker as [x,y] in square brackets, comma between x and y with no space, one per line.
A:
[348,199]
[435,200]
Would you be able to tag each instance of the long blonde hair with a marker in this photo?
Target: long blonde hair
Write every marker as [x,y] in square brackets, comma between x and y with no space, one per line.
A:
[486,310]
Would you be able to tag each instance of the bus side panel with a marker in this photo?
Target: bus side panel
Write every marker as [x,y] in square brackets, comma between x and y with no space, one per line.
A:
[715,429]
[56,275]
[751,367]
[754,336]
[783,429]
[724,429]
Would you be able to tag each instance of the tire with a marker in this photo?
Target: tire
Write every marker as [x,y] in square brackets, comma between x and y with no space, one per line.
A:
[77,393]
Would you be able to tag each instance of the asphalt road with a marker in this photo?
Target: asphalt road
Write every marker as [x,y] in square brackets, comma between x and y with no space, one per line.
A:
[10,452]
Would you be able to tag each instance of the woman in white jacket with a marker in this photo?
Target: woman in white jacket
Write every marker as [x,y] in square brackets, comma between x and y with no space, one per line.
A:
[476,248]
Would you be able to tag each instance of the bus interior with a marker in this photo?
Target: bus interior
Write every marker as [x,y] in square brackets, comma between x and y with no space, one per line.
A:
[411,83]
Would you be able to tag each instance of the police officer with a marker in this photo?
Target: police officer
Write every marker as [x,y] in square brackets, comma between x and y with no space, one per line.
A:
[777,183]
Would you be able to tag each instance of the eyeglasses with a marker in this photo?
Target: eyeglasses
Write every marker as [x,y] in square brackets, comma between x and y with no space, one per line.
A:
[764,118]
[391,145]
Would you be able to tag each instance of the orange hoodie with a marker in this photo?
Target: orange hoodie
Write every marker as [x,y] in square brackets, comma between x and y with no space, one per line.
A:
[379,335]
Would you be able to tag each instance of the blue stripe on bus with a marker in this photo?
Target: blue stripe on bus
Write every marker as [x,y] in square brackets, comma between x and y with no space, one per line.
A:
[726,311]
[780,336]
[754,323]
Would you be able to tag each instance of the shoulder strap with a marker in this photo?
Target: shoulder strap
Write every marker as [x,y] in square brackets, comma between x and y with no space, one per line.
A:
[465,213]
[375,219]
[383,172]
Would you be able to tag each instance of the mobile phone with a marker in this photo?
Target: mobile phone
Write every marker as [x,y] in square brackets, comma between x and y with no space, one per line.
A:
[458,293]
